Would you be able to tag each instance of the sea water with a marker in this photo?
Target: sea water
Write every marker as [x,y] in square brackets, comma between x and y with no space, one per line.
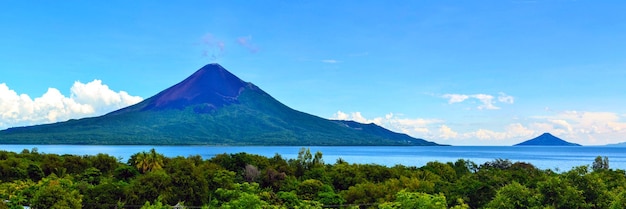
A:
[543,157]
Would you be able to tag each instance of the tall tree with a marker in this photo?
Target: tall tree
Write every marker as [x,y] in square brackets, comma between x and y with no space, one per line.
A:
[416,200]
[56,194]
[515,195]
[148,161]
[600,164]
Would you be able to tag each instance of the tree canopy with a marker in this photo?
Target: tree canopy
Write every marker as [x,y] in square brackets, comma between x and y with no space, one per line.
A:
[240,180]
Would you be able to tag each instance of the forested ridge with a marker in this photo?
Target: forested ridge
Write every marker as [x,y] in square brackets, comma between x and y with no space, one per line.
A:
[150,180]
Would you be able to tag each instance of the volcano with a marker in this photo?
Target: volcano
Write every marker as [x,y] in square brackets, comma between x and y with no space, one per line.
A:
[210,107]
[212,86]
[546,139]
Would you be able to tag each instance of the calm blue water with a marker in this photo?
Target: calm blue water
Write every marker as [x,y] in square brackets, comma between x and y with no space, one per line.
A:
[561,158]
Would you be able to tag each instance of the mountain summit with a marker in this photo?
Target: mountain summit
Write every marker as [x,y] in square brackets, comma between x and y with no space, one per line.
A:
[546,139]
[212,85]
[210,107]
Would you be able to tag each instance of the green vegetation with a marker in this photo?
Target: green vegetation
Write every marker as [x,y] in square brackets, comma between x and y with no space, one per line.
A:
[150,180]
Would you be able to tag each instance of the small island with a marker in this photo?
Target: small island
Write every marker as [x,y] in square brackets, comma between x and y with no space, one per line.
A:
[546,139]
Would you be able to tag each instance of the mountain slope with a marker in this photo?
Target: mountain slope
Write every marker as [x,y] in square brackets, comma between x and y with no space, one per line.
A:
[212,107]
[546,139]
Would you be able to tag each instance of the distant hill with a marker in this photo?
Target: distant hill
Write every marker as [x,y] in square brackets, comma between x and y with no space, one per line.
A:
[546,139]
[621,144]
[211,107]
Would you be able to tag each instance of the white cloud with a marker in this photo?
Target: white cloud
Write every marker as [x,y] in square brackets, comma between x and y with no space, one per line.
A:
[505,98]
[341,116]
[546,127]
[435,129]
[455,98]
[100,97]
[517,130]
[413,126]
[587,128]
[331,61]
[487,101]
[90,99]
[355,116]
[562,123]
[246,41]
[514,131]
[484,134]
[446,132]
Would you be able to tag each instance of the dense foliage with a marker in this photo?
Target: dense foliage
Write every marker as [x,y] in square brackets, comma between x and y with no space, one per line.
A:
[150,180]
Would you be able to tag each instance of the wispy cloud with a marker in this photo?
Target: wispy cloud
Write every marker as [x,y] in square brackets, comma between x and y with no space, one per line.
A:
[331,61]
[215,48]
[360,54]
[455,98]
[212,47]
[86,99]
[246,41]
[487,102]
[502,97]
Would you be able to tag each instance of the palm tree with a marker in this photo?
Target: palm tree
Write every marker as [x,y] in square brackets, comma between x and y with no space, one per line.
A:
[141,161]
[156,160]
[148,161]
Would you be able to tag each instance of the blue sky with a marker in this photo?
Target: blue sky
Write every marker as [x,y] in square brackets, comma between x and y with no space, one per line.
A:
[453,72]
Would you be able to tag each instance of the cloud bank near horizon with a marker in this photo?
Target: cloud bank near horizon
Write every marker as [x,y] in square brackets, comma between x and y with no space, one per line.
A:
[86,100]
[587,128]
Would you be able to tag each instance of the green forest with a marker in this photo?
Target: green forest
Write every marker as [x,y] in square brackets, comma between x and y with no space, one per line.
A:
[150,180]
